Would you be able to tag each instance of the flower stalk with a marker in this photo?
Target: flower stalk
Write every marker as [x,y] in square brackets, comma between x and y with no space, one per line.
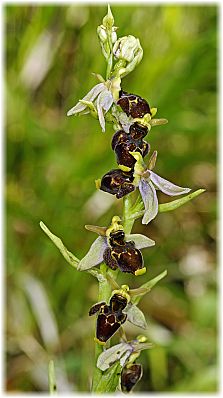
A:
[116,249]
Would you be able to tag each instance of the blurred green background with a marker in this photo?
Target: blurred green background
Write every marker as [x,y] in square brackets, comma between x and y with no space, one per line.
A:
[52,162]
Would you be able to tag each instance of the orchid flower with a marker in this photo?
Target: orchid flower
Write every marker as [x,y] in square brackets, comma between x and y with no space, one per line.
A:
[121,352]
[99,247]
[148,182]
[98,100]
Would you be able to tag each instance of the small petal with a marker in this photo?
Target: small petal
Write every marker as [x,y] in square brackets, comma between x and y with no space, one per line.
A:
[150,200]
[158,122]
[152,160]
[94,255]
[90,96]
[135,316]
[140,241]
[167,187]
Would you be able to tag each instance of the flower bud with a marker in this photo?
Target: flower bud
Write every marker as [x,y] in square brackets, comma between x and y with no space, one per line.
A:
[114,35]
[126,48]
[108,20]
[102,34]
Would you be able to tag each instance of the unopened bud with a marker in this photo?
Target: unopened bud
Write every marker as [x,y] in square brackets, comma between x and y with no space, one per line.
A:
[114,35]
[126,48]
[102,34]
[108,20]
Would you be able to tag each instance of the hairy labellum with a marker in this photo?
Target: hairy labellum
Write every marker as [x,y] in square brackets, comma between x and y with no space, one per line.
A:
[123,144]
[118,138]
[123,255]
[123,156]
[117,182]
[131,374]
[110,317]
[133,105]
[137,131]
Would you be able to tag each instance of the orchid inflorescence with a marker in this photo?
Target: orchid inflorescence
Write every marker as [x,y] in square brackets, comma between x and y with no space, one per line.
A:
[116,249]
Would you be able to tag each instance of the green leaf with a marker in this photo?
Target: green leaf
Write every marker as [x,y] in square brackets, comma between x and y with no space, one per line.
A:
[148,286]
[69,257]
[109,380]
[51,377]
[179,202]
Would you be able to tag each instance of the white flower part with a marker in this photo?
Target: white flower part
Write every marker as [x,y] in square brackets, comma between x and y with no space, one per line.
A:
[113,354]
[122,352]
[135,316]
[125,357]
[95,254]
[167,187]
[103,103]
[113,36]
[126,48]
[150,200]
[90,96]
[141,241]
[102,34]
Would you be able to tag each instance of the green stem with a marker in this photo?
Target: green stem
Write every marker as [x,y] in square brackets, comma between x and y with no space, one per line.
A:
[110,58]
[104,293]
[127,221]
[51,378]
[105,287]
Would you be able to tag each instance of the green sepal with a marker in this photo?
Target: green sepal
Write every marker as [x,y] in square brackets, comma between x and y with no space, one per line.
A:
[109,380]
[148,286]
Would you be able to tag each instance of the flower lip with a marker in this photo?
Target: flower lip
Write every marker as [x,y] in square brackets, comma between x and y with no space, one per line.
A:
[119,137]
[124,144]
[130,376]
[117,182]
[133,105]
[138,131]
[110,316]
